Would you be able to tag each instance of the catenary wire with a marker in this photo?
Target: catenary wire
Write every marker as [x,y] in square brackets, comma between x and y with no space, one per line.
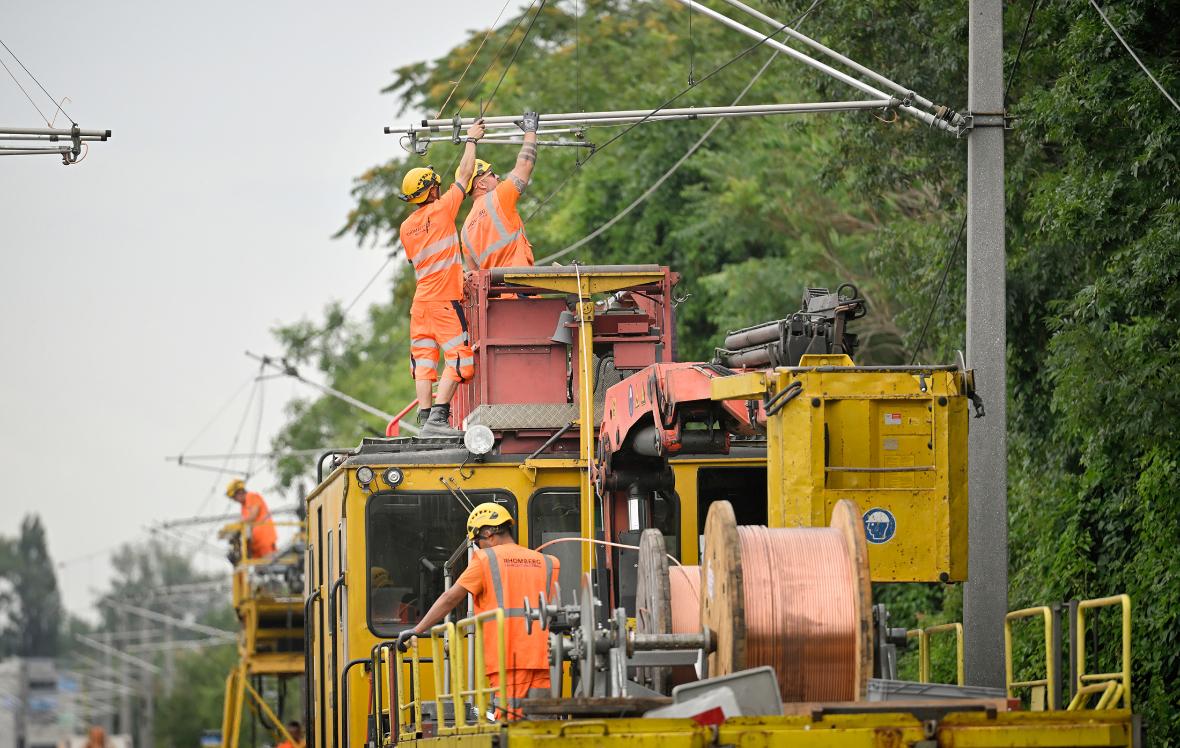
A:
[233,447]
[664,105]
[26,93]
[496,57]
[220,411]
[257,428]
[355,299]
[51,98]
[663,178]
[540,9]
[491,30]
[1134,56]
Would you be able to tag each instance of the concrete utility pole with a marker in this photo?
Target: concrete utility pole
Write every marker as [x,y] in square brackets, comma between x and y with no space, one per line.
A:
[985,595]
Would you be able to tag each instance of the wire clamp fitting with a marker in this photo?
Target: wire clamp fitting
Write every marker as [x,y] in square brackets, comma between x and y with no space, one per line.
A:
[457,130]
[972,120]
[71,156]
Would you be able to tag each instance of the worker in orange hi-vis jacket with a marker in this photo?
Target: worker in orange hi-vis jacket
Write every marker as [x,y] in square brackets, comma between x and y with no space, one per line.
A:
[493,234]
[256,515]
[436,316]
[501,574]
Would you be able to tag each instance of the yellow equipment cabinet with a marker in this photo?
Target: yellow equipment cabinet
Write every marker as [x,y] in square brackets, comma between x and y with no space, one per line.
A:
[891,439]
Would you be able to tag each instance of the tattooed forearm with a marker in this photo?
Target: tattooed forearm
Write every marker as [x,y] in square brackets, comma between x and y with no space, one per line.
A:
[518,183]
[528,152]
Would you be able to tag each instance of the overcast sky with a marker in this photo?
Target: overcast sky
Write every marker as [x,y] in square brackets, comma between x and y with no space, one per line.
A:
[134,281]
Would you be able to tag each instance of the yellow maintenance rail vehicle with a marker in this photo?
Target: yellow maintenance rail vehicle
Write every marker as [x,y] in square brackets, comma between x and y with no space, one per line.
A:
[719,526]
[268,600]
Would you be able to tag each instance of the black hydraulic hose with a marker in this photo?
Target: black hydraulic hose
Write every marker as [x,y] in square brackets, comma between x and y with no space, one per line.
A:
[307,660]
[332,625]
[344,694]
[557,435]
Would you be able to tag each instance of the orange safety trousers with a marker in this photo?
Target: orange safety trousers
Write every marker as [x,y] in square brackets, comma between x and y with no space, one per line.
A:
[518,683]
[440,326]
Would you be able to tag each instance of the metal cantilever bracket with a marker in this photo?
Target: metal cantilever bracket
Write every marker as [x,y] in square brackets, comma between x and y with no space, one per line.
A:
[972,120]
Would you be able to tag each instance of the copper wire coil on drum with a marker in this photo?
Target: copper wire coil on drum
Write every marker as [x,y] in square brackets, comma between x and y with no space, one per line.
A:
[797,599]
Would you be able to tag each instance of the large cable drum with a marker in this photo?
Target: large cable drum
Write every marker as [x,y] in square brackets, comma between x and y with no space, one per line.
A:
[797,599]
[667,601]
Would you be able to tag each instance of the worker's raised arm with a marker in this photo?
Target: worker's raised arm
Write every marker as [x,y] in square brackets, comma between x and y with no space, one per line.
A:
[467,163]
[527,158]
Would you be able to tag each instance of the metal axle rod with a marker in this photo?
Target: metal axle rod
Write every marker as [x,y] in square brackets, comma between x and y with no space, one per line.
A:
[54,138]
[860,85]
[62,132]
[33,151]
[627,116]
[517,141]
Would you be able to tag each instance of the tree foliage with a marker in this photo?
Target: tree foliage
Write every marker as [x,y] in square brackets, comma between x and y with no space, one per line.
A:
[30,604]
[769,206]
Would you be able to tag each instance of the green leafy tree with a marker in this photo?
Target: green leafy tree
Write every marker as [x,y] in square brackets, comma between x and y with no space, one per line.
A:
[30,606]
[767,207]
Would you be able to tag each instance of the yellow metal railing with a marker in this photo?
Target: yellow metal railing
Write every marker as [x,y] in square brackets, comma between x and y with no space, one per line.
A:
[923,637]
[456,684]
[1050,681]
[409,712]
[1115,687]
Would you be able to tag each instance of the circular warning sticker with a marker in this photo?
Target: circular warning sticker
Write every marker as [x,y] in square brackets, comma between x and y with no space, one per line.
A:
[880,525]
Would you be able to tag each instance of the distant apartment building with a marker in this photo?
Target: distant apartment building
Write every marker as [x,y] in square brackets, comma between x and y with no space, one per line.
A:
[37,704]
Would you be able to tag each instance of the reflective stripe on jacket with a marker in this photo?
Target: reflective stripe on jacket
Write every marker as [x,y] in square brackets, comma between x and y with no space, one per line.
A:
[493,234]
[512,573]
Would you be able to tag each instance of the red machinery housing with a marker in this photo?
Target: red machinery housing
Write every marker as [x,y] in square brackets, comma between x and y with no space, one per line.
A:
[523,334]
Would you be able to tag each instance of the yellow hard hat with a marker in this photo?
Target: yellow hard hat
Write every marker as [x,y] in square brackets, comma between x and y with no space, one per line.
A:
[417,183]
[486,514]
[380,578]
[235,485]
[481,167]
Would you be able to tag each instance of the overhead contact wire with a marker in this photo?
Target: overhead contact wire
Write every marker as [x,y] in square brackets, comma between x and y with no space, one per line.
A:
[30,73]
[1134,56]
[672,100]
[491,30]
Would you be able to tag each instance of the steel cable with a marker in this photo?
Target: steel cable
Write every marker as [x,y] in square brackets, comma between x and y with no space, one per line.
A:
[632,126]
[491,30]
[1134,56]
[30,73]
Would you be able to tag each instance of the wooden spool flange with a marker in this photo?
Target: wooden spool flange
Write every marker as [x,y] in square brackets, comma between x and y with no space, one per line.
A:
[653,601]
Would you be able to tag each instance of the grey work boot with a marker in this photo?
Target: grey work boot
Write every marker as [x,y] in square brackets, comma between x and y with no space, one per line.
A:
[436,425]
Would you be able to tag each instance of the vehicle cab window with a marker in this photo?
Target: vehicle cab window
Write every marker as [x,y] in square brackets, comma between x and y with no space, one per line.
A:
[409,538]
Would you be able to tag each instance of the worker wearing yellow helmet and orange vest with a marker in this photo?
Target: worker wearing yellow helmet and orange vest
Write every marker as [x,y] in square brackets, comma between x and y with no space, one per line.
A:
[501,574]
[256,516]
[437,323]
[493,234]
